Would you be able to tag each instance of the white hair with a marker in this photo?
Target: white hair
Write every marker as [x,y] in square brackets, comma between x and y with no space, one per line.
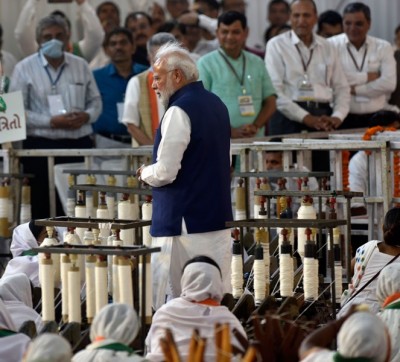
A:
[177,57]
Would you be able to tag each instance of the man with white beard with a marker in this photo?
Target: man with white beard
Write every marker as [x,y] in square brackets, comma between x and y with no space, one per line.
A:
[190,174]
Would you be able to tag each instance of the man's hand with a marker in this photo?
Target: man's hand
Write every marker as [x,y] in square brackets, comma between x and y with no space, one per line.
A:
[373,76]
[245,131]
[321,123]
[69,121]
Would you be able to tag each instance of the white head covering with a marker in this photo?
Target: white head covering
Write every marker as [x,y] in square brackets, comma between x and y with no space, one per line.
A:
[22,240]
[28,265]
[49,347]
[13,347]
[5,318]
[363,335]
[16,288]
[200,281]
[116,321]
[389,284]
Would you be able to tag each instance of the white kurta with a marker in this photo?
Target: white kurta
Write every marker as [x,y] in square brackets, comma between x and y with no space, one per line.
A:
[175,130]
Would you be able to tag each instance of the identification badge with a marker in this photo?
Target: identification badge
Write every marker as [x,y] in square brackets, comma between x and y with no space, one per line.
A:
[246,106]
[56,104]
[120,110]
[305,90]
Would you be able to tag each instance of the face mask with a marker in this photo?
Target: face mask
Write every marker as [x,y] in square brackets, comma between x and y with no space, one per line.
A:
[53,48]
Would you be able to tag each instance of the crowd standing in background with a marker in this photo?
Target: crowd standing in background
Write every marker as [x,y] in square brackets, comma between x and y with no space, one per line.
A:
[179,75]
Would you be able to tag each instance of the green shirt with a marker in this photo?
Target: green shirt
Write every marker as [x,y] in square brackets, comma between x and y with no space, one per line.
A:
[218,78]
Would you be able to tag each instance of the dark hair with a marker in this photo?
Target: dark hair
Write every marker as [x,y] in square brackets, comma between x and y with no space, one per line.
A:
[35,229]
[116,31]
[311,1]
[202,259]
[391,227]
[356,8]
[62,14]
[168,26]
[137,14]
[277,29]
[330,17]
[383,118]
[213,4]
[98,9]
[1,31]
[275,2]
[230,17]
[395,30]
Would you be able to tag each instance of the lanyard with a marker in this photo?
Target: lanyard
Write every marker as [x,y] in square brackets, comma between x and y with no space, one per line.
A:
[354,59]
[240,79]
[305,65]
[55,81]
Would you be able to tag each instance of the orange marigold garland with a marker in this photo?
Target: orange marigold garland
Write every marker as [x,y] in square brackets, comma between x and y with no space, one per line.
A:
[396,156]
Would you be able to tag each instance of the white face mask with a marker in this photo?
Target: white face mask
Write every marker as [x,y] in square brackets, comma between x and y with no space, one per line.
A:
[53,48]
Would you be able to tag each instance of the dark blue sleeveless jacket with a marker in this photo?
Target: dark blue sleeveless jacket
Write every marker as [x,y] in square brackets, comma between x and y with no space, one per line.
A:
[200,194]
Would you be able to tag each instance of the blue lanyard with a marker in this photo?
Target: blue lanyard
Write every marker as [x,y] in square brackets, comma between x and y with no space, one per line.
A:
[55,81]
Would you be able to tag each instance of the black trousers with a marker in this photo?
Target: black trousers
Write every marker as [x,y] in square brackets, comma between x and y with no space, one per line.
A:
[38,167]
[281,125]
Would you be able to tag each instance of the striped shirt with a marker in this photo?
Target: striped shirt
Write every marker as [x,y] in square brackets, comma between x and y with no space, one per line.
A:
[73,80]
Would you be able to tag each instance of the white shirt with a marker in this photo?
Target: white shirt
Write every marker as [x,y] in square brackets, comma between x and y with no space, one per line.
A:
[25,29]
[375,55]
[131,105]
[285,68]
[8,62]
[175,131]
[76,85]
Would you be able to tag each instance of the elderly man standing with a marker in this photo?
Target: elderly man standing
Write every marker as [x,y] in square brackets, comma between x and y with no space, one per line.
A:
[307,76]
[190,174]
[369,65]
[61,101]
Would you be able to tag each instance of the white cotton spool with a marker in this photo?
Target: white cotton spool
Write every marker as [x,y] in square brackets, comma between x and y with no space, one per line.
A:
[310,278]
[237,276]
[336,237]
[125,281]
[100,274]
[65,267]
[286,275]
[110,201]
[80,211]
[259,281]
[89,201]
[115,280]
[149,287]
[88,237]
[46,272]
[102,212]
[110,242]
[90,288]
[147,212]
[74,300]
[338,281]
[306,211]
[125,213]
[26,207]
[26,213]
[50,241]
